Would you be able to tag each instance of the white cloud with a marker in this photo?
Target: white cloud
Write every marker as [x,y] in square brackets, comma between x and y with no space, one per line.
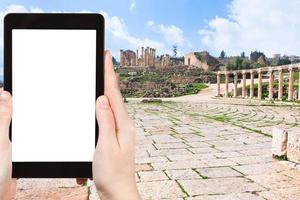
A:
[117,36]
[271,26]
[117,28]
[15,9]
[132,7]
[171,33]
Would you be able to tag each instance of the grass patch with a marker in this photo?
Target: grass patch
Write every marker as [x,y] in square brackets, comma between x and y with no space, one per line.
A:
[283,157]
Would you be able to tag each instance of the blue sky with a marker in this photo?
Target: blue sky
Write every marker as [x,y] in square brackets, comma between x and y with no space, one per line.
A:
[271,26]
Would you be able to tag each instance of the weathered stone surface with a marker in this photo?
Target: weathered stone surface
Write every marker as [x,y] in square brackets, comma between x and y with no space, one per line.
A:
[218,172]
[93,195]
[230,160]
[219,186]
[75,193]
[152,176]
[293,151]
[239,196]
[181,174]
[279,141]
[160,190]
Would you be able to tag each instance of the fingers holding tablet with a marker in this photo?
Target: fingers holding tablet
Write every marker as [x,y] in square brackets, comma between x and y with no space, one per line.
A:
[112,91]
[5,114]
[7,184]
[106,121]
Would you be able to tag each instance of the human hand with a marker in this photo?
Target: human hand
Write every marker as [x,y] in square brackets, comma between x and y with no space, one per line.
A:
[113,165]
[7,184]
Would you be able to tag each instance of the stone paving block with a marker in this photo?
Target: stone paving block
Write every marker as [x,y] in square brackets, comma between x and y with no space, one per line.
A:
[280,194]
[274,180]
[146,160]
[143,167]
[24,184]
[218,172]
[246,160]
[219,186]
[179,165]
[152,176]
[163,138]
[255,169]
[204,150]
[181,174]
[93,195]
[178,145]
[239,196]
[166,152]
[198,144]
[219,162]
[229,154]
[160,190]
[75,193]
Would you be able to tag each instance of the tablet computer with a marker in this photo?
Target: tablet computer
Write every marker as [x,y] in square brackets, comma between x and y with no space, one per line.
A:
[53,67]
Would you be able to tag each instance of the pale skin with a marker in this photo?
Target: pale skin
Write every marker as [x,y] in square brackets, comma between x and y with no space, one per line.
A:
[113,164]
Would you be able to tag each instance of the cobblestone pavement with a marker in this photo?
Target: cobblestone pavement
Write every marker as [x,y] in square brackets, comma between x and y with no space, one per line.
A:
[205,150]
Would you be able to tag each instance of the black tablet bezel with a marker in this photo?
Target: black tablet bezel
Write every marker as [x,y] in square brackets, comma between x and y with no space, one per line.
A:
[75,21]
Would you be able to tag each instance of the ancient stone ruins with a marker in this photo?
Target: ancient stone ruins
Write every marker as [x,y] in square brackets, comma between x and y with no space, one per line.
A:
[147,58]
[277,74]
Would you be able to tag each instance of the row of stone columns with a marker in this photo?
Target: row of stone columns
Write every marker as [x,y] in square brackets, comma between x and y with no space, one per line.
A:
[131,58]
[148,57]
[259,89]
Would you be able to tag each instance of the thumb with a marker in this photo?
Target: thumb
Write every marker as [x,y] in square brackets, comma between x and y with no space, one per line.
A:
[106,122]
[5,115]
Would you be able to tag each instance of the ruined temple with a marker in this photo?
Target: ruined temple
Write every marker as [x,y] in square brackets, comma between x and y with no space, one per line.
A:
[127,58]
[130,58]
[201,60]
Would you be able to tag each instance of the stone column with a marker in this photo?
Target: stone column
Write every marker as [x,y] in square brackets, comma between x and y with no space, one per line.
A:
[151,57]
[280,84]
[218,84]
[244,85]
[226,84]
[122,58]
[291,84]
[146,55]
[235,82]
[143,57]
[271,84]
[259,87]
[154,57]
[299,85]
[251,84]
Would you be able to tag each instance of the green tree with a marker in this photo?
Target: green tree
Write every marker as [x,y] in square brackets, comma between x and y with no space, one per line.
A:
[246,64]
[229,66]
[284,61]
[255,55]
[114,61]
[175,50]
[243,55]
[222,54]
[237,63]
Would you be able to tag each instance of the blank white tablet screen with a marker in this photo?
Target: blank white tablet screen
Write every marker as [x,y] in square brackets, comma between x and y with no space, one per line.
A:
[53,86]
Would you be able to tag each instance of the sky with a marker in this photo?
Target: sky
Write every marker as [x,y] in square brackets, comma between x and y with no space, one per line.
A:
[270,26]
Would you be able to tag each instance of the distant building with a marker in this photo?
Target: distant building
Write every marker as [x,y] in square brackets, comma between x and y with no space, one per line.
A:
[201,60]
[276,56]
[128,58]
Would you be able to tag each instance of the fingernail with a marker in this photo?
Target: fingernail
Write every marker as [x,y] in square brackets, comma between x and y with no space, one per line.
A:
[103,102]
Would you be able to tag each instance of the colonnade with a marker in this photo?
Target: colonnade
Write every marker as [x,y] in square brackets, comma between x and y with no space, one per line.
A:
[271,71]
